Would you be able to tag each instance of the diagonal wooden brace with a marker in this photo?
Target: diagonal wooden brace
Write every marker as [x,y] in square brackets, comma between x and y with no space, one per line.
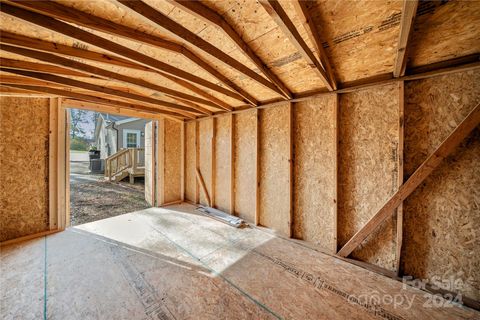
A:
[423,171]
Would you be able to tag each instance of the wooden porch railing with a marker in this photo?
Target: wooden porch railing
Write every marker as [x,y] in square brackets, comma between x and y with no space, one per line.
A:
[128,159]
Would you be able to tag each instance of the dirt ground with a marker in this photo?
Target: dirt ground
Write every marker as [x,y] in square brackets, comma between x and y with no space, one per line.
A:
[92,198]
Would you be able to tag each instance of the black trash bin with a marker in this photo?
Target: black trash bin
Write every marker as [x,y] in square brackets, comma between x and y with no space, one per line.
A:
[93,154]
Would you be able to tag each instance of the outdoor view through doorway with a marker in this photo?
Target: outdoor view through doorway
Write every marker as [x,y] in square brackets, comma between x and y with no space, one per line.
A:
[107,165]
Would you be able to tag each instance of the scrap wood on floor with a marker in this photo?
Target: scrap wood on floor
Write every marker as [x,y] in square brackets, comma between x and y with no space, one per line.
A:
[171,263]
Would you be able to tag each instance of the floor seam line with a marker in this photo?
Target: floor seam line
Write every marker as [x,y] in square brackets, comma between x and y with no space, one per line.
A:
[216,273]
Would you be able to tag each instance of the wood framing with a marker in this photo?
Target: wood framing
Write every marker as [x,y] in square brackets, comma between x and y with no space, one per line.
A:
[257,167]
[182,160]
[199,10]
[232,164]
[53,165]
[185,34]
[277,13]
[303,11]
[423,171]
[62,169]
[291,139]
[161,162]
[336,187]
[213,164]
[406,26]
[79,34]
[401,137]
[203,186]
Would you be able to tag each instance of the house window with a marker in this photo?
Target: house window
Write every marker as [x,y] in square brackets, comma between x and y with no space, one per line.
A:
[131,138]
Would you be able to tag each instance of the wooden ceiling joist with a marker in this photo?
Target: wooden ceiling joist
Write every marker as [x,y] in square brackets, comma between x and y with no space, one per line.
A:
[40,45]
[303,11]
[59,11]
[56,48]
[41,67]
[180,31]
[201,11]
[275,10]
[94,99]
[71,64]
[87,37]
[92,87]
[406,26]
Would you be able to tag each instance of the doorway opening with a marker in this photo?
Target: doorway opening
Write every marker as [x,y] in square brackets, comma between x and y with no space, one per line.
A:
[107,165]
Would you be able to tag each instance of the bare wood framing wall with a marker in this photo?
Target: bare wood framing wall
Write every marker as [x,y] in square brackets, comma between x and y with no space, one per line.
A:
[315,174]
[24,165]
[190,162]
[205,143]
[245,163]
[222,186]
[274,174]
[442,217]
[169,161]
[368,168]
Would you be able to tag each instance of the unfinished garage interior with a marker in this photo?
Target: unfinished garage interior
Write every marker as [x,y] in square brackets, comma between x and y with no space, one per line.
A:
[303,159]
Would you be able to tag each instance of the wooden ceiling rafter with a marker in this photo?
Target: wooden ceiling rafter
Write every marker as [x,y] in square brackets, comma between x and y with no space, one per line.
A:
[406,25]
[201,11]
[180,31]
[45,46]
[303,11]
[46,68]
[75,65]
[101,89]
[94,99]
[97,41]
[59,11]
[276,12]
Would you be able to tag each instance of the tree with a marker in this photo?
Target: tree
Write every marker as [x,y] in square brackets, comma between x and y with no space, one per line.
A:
[77,118]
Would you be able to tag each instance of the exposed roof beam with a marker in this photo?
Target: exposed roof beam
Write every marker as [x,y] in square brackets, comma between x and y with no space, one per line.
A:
[111,109]
[27,42]
[68,63]
[84,36]
[59,11]
[406,25]
[471,121]
[65,93]
[303,9]
[41,67]
[178,30]
[275,10]
[201,11]
[101,89]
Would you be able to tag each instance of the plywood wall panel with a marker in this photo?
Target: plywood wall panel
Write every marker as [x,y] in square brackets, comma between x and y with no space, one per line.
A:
[205,131]
[368,168]
[149,172]
[24,130]
[245,164]
[222,163]
[190,154]
[274,177]
[173,154]
[441,219]
[315,171]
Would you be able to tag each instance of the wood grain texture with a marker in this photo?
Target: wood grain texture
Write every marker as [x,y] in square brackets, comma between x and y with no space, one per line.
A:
[274,169]
[245,176]
[368,165]
[205,152]
[315,171]
[173,154]
[441,218]
[190,180]
[222,163]
[24,132]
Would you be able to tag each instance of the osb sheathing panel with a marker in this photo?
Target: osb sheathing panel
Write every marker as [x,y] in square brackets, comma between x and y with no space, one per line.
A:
[149,140]
[190,155]
[173,155]
[274,178]
[441,218]
[315,171]
[205,137]
[222,162]
[24,129]
[245,163]
[444,30]
[361,36]
[368,168]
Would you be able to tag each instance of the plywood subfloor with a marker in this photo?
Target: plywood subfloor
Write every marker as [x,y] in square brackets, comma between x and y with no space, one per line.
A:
[171,263]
